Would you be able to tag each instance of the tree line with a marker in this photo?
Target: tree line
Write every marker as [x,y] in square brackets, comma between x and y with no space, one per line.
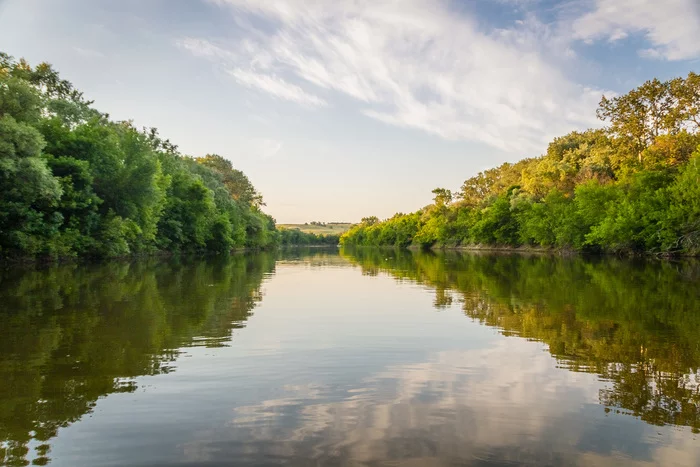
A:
[633,186]
[74,183]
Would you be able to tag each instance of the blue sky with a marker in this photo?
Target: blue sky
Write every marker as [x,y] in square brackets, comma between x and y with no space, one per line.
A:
[338,109]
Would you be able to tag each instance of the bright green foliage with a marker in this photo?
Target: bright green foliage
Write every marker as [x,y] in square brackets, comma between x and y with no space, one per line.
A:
[633,187]
[74,183]
[188,213]
[682,221]
[398,231]
[78,206]
[496,223]
[29,190]
[633,214]
[19,100]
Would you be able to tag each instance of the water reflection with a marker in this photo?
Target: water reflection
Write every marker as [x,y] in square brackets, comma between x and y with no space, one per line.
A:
[342,368]
[458,408]
[634,323]
[72,334]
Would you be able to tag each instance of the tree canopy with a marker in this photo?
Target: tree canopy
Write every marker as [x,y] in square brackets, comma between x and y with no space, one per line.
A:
[631,187]
[74,183]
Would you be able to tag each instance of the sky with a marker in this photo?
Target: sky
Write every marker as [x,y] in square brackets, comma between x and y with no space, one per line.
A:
[341,109]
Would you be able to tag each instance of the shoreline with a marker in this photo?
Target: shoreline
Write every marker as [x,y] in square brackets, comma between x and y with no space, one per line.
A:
[537,250]
[6,263]
[566,251]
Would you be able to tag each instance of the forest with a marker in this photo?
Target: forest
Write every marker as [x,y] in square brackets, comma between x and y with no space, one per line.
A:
[630,187]
[74,183]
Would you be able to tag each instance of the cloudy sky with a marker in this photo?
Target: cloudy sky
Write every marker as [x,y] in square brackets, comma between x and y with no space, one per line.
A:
[337,109]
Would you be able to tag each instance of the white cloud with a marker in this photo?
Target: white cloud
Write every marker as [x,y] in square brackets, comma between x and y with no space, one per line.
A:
[672,27]
[266,82]
[414,64]
[510,402]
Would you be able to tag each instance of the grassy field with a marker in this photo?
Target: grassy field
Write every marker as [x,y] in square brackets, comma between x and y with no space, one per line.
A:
[327,229]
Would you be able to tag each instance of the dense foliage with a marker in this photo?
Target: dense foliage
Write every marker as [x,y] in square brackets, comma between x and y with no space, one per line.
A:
[631,187]
[75,183]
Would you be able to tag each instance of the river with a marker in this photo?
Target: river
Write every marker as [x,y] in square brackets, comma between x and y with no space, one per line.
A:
[351,358]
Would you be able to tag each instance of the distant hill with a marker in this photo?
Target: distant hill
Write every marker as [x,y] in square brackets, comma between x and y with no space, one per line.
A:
[335,228]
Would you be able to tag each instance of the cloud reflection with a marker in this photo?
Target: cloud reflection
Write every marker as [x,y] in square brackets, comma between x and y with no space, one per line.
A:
[508,404]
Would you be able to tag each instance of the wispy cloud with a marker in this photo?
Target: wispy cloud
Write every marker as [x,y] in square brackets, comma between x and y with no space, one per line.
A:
[419,64]
[414,64]
[276,87]
[247,76]
[671,27]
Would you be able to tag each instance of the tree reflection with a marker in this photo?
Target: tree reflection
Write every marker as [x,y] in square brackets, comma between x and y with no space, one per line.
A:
[72,334]
[634,323]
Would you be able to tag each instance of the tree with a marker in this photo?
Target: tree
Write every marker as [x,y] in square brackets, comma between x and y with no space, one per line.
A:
[686,93]
[653,109]
[73,182]
[475,189]
[235,181]
[29,190]
[443,197]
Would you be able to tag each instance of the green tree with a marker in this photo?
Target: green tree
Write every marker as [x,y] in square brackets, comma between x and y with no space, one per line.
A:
[75,183]
[443,196]
[29,190]
[235,181]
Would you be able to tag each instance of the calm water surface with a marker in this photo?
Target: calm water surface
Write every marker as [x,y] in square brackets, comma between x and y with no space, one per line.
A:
[364,358]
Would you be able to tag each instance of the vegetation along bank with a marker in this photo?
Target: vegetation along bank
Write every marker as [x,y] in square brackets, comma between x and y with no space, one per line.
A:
[74,183]
[631,187]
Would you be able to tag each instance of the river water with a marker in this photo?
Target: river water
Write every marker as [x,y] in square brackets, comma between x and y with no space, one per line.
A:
[351,358]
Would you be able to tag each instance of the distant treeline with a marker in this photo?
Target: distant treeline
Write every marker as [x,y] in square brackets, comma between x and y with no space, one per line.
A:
[297,237]
[633,186]
[323,224]
[75,183]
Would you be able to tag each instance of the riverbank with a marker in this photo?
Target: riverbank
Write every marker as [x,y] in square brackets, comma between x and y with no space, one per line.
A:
[567,251]
[537,250]
[511,249]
